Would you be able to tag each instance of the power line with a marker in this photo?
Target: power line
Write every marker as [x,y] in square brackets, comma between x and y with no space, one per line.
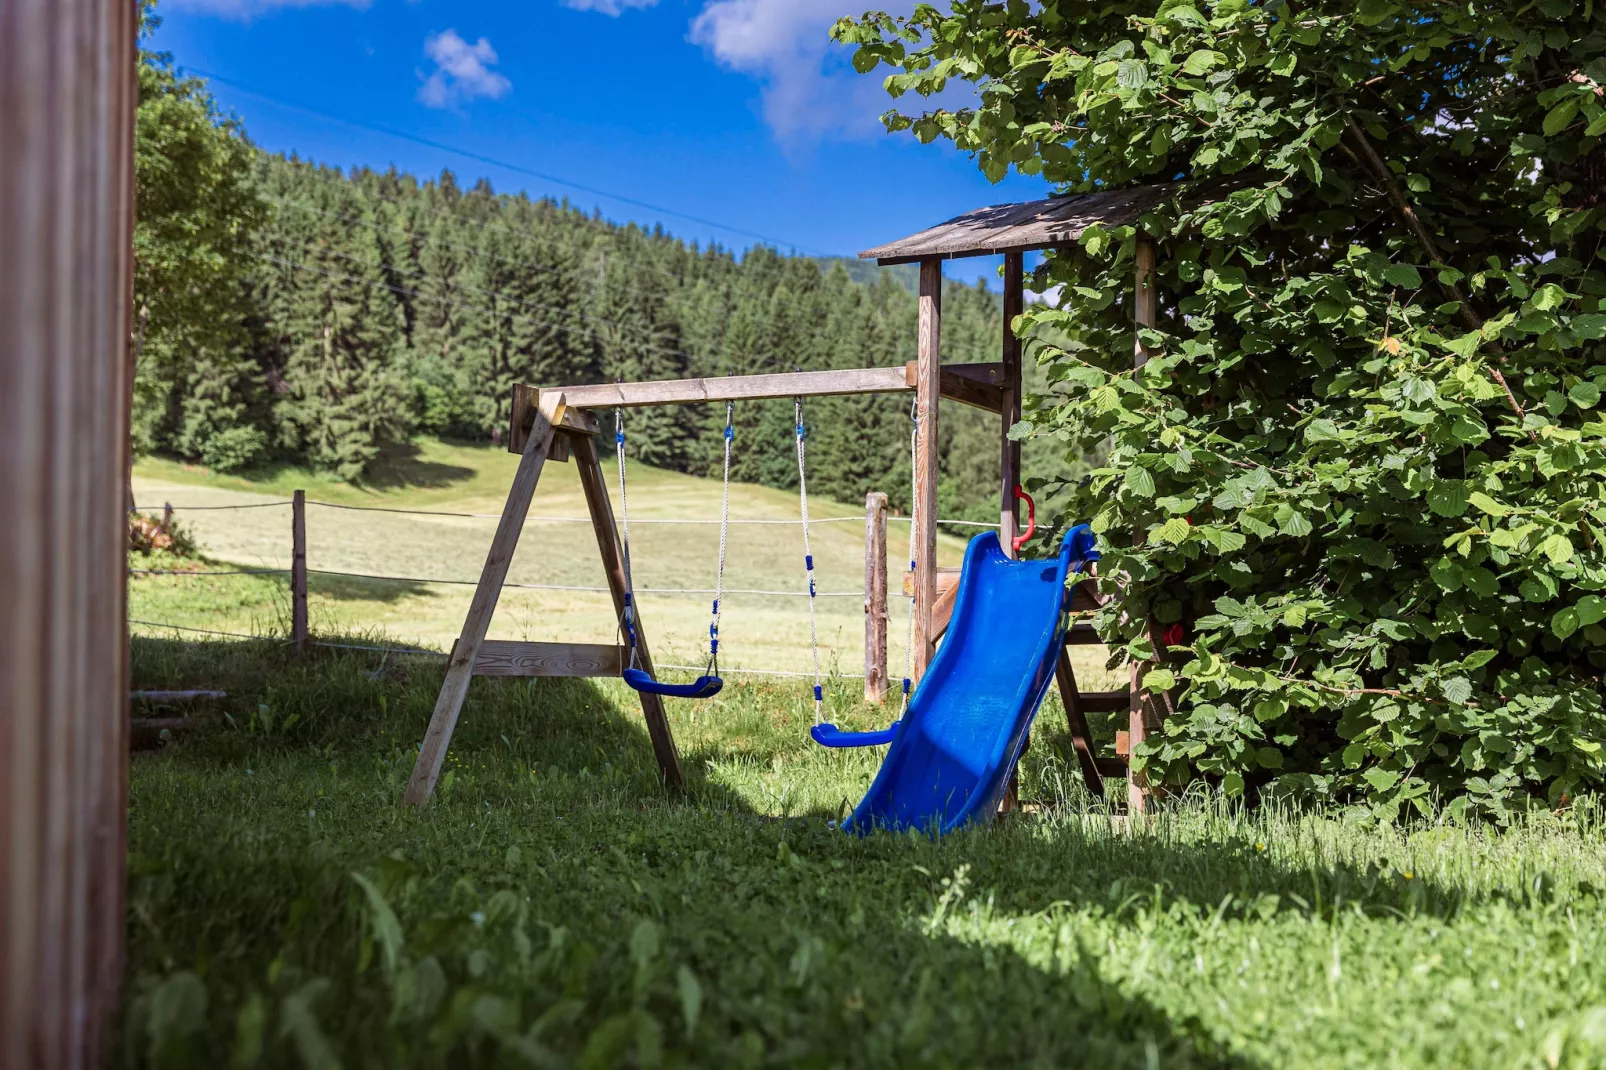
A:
[494,162]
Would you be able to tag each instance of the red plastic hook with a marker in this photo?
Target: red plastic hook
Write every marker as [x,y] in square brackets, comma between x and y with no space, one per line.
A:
[1031,519]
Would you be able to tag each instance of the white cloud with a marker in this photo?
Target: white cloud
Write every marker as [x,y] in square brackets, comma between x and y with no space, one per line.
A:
[245,9]
[611,8]
[810,87]
[462,71]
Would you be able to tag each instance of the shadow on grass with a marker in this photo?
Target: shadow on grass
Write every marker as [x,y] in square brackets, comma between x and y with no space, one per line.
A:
[360,589]
[514,908]
[400,466]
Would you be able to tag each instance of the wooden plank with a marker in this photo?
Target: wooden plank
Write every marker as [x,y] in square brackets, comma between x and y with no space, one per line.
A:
[68,87]
[1145,308]
[522,416]
[1004,228]
[943,610]
[927,395]
[1105,701]
[1009,405]
[989,373]
[502,657]
[875,597]
[298,571]
[1082,635]
[974,392]
[1085,597]
[947,578]
[460,667]
[1076,720]
[737,388]
[607,532]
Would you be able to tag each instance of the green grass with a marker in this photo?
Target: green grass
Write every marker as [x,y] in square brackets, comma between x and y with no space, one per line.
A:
[556,907]
[759,632]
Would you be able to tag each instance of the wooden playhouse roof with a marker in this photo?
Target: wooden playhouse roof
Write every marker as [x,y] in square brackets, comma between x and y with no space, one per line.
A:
[1019,227]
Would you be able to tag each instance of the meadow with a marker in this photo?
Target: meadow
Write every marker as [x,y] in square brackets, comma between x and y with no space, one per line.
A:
[556,906]
[347,533]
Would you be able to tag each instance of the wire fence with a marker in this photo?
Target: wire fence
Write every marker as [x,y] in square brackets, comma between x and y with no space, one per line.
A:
[168,509]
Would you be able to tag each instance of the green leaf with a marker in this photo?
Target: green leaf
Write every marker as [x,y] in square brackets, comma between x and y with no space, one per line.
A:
[1486,504]
[1282,64]
[1557,118]
[1548,297]
[1584,394]
[1139,482]
[1294,616]
[1381,779]
[1232,785]
[1159,679]
[1591,610]
[1457,689]
[1201,60]
[382,919]
[1132,74]
[1592,325]
[1448,497]
[1565,622]
[1558,549]
[1269,757]
[1402,275]
[1173,532]
[691,998]
[1447,573]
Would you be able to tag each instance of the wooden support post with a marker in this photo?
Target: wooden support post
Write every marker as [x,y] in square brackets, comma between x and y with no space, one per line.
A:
[1076,720]
[875,597]
[595,486]
[460,667]
[1009,452]
[1145,311]
[298,571]
[167,518]
[928,390]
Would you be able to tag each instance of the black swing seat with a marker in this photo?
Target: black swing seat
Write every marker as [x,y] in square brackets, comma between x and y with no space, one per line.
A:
[702,687]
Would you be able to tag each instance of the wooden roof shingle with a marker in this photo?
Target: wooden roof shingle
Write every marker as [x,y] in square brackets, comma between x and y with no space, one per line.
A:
[1019,227]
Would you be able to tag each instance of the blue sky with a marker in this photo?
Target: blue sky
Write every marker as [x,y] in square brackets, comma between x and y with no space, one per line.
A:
[737,112]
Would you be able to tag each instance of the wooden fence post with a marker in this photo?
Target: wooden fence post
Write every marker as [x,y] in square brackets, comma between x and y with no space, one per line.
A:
[167,518]
[875,596]
[298,571]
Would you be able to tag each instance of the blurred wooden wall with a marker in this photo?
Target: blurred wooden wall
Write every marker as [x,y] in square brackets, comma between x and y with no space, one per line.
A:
[66,193]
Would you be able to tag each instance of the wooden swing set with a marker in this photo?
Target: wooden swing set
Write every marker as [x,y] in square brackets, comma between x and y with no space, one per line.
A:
[558,424]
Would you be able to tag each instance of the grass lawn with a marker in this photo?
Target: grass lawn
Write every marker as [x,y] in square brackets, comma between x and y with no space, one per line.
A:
[556,908]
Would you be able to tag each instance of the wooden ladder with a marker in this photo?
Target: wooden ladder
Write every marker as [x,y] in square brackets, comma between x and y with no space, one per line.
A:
[1078,703]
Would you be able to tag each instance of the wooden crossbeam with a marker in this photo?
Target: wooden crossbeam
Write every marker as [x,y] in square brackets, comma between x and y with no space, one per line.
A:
[947,579]
[737,388]
[501,657]
[968,387]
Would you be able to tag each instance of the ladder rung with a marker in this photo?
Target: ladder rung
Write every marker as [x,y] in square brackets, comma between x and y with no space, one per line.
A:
[1104,701]
[1081,635]
[1113,767]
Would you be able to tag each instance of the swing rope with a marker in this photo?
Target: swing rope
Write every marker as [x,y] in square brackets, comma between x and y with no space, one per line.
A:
[629,619]
[808,562]
[724,528]
[914,525]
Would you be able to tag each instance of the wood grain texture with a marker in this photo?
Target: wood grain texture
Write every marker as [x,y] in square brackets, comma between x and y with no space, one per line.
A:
[737,388]
[1076,722]
[503,657]
[1145,309]
[875,597]
[1009,404]
[460,667]
[942,611]
[595,487]
[927,395]
[66,195]
[947,577]
[521,418]
[977,391]
[1003,228]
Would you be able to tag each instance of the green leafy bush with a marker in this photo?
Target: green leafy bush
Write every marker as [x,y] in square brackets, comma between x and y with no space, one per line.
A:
[1361,470]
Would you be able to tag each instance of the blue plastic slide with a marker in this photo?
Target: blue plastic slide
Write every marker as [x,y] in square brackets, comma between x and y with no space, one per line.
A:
[954,750]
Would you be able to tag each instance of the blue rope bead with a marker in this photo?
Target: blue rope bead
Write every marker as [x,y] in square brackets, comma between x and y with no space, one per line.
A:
[905,685]
[808,562]
[819,695]
[730,433]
